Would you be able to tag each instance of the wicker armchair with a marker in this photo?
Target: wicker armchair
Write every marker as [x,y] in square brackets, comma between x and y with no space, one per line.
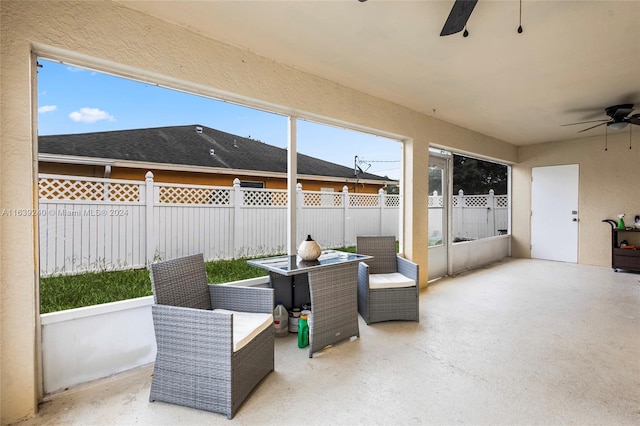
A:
[215,342]
[388,286]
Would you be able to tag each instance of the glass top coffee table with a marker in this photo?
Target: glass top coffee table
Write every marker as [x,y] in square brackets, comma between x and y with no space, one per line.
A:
[291,265]
[332,288]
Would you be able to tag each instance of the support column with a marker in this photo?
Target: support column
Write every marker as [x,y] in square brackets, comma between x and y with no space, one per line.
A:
[292,178]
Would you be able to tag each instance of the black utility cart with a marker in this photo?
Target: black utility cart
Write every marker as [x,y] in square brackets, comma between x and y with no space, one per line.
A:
[623,258]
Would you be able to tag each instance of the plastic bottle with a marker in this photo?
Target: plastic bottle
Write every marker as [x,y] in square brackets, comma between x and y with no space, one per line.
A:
[281,320]
[294,319]
[303,332]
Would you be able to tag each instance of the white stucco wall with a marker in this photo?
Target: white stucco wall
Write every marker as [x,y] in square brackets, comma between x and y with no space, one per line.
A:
[608,185]
[110,37]
[471,254]
[84,344]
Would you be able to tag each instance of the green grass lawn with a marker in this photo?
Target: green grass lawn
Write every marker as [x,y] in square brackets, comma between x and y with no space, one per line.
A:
[58,293]
[63,292]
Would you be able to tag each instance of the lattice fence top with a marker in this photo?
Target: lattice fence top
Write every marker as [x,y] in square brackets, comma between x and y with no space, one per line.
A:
[256,197]
[363,200]
[501,201]
[436,201]
[124,192]
[475,201]
[51,188]
[279,198]
[392,200]
[332,199]
[189,195]
[58,187]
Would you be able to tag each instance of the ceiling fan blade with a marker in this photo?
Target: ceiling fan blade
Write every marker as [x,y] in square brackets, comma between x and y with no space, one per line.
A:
[593,127]
[458,16]
[584,122]
[634,119]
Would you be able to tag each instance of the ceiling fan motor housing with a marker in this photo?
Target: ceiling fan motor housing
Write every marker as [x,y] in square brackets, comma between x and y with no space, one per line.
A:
[618,112]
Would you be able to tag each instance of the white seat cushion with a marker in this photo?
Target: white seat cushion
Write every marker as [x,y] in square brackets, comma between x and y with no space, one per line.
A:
[246,326]
[393,280]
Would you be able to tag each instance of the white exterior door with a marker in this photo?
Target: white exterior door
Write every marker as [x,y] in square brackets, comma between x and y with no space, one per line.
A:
[439,200]
[554,213]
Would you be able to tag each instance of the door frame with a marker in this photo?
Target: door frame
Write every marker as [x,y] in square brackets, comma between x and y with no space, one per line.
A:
[447,188]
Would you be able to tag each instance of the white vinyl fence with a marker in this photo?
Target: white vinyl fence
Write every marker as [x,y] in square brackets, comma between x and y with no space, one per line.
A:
[474,216]
[94,224]
[91,224]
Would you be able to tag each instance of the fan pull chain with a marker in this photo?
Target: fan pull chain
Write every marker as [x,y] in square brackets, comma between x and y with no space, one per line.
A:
[606,132]
[520,23]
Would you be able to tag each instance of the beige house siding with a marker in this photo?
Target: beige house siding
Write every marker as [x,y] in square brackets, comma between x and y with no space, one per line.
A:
[202,178]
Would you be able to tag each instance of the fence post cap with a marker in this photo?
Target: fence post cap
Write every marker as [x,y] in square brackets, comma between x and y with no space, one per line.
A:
[461,192]
[149,175]
[236,182]
[381,191]
[299,186]
[345,188]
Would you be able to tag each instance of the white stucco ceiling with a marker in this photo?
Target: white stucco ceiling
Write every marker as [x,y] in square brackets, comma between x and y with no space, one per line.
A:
[573,59]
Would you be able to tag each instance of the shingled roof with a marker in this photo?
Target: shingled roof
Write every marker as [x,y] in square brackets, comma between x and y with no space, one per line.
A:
[193,145]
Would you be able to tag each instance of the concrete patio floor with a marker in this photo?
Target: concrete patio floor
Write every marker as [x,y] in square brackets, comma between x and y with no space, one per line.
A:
[519,342]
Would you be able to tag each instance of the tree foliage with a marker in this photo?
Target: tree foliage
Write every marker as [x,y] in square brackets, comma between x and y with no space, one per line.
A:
[473,176]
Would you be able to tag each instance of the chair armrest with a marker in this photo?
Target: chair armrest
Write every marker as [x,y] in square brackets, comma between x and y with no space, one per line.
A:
[177,328]
[408,268]
[244,299]
[363,276]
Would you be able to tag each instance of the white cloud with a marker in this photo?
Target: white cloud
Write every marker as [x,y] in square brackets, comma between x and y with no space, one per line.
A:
[74,69]
[90,115]
[47,108]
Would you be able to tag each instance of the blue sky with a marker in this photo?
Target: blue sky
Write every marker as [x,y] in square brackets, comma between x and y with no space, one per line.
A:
[75,100]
